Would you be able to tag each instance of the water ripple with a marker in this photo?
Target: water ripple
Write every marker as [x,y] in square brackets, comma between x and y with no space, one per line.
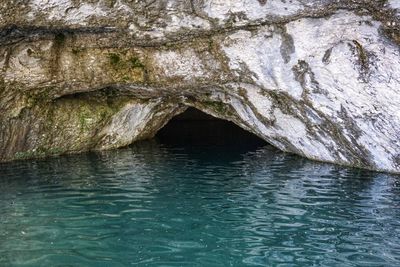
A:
[154,205]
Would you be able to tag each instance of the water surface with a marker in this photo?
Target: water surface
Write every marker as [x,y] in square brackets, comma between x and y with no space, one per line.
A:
[187,203]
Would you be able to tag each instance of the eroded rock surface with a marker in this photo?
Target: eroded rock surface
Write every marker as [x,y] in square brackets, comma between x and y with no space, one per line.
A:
[317,78]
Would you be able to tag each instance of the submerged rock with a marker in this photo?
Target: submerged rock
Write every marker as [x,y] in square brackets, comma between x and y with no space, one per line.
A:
[317,78]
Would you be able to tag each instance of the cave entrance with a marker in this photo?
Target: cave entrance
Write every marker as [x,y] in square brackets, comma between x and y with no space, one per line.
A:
[194,127]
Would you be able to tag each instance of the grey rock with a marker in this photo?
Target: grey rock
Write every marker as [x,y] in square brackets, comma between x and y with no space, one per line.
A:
[317,78]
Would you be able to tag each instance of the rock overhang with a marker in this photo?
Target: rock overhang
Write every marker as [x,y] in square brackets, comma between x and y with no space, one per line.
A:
[318,79]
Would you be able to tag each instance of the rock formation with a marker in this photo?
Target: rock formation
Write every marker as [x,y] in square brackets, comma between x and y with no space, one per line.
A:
[319,78]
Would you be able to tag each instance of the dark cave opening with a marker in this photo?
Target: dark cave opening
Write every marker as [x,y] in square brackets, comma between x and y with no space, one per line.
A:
[194,127]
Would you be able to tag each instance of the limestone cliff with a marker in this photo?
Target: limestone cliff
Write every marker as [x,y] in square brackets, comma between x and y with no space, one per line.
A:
[319,78]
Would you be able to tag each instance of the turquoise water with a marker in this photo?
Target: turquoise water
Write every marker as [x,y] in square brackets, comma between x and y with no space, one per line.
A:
[192,203]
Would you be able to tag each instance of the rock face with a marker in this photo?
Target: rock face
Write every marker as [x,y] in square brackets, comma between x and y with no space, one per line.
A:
[319,78]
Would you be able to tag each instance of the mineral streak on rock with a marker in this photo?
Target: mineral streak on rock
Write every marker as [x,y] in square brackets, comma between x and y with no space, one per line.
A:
[317,78]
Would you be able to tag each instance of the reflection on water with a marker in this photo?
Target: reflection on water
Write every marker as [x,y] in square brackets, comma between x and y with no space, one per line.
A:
[154,204]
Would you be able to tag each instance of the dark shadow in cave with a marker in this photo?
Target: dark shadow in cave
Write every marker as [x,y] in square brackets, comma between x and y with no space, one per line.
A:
[196,128]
